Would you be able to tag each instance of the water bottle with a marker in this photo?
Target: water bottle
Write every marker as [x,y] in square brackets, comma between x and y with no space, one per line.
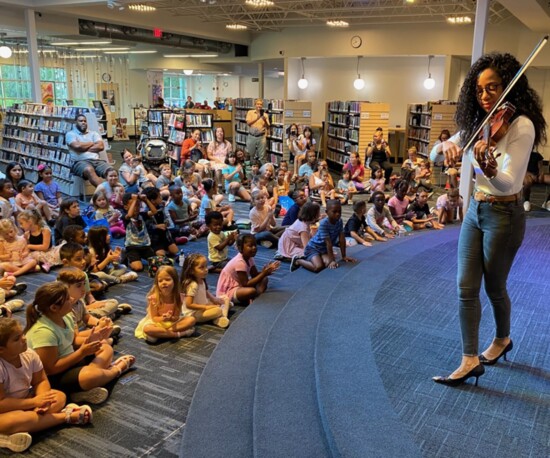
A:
[181,259]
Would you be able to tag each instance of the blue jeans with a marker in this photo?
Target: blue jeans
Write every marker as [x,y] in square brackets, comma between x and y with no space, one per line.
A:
[490,237]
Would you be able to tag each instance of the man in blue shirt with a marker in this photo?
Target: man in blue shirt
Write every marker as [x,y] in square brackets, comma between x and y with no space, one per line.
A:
[85,146]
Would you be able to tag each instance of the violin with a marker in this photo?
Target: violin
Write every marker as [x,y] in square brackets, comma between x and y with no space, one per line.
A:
[498,125]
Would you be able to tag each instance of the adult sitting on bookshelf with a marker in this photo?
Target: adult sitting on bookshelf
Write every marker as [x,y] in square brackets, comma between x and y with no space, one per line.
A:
[85,146]
[192,149]
[258,122]
[378,154]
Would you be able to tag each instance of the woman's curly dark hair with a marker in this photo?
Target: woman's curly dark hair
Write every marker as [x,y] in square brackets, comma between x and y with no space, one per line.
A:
[469,113]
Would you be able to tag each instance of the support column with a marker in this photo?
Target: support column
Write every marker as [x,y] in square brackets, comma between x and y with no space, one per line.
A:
[34,63]
[261,80]
[480,28]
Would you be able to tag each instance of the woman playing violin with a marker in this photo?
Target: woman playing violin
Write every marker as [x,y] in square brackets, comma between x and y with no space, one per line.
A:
[493,228]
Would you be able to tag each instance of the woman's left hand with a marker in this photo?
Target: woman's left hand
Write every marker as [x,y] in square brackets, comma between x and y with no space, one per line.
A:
[484,156]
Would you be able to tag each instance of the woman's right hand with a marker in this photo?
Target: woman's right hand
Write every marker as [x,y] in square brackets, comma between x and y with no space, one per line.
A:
[452,152]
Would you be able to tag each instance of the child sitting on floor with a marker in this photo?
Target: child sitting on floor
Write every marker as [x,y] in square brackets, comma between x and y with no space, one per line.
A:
[208,203]
[296,236]
[198,302]
[28,404]
[357,231]
[39,238]
[449,207]
[379,217]
[346,187]
[419,207]
[27,199]
[69,214]
[162,242]
[164,304]
[137,241]
[103,210]
[318,253]
[15,256]
[47,189]
[183,220]
[399,202]
[83,371]
[218,241]
[262,217]
[240,280]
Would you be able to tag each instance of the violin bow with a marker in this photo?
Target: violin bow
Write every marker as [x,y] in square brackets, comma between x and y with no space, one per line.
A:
[508,88]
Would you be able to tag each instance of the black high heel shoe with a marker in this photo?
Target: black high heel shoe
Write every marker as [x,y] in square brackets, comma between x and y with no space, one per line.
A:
[490,362]
[476,372]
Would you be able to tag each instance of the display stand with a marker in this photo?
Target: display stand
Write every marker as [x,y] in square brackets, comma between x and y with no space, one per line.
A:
[34,133]
[350,127]
[104,120]
[425,121]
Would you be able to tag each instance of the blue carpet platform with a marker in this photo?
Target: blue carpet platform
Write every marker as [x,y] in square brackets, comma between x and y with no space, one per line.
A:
[339,364]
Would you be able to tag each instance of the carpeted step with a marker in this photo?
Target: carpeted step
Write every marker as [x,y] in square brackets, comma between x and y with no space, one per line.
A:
[354,407]
[286,414]
[219,422]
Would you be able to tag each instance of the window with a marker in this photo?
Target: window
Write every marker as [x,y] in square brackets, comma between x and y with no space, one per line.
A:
[174,91]
[15,84]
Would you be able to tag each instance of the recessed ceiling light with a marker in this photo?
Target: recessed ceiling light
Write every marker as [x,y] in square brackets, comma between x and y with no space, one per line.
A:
[259,3]
[131,52]
[100,49]
[337,23]
[76,43]
[236,27]
[189,55]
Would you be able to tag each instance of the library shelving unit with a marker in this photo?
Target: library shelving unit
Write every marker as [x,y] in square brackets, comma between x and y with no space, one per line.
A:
[223,119]
[281,115]
[202,120]
[350,126]
[425,121]
[140,123]
[34,133]
[104,120]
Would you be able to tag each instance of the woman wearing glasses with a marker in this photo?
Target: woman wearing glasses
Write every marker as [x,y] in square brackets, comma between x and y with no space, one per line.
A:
[493,228]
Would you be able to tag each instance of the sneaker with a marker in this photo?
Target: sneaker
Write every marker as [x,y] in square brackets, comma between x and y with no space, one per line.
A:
[94,396]
[294,264]
[46,266]
[527,206]
[192,238]
[116,331]
[221,322]
[19,288]
[128,276]
[17,442]
[266,244]
[231,197]
[15,305]
[181,240]
[278,256]
[124,308]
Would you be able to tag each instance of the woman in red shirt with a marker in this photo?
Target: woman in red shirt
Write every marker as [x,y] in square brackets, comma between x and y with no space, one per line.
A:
[357,171]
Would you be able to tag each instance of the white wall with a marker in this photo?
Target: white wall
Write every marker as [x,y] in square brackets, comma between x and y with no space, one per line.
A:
[395,80]
[273,88]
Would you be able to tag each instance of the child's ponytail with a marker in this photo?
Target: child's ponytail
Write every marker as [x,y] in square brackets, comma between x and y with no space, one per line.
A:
[53,293]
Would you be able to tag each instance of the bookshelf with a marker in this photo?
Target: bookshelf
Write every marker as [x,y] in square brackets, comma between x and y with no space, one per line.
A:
[223,119]
[34,133]
[103,116]
[281,115]
[349,128]
[425,121]
[202,120]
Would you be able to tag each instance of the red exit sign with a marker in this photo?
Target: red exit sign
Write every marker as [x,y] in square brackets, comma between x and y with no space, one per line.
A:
[157,33]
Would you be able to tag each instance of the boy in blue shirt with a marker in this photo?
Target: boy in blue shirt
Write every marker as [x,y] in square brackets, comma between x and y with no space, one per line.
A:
[318,254]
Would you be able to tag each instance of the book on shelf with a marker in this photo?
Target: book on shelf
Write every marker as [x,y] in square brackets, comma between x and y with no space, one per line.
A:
[176,136]
[198,120]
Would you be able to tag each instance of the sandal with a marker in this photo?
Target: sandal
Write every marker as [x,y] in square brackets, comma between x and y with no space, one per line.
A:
[85,414]
[124,364]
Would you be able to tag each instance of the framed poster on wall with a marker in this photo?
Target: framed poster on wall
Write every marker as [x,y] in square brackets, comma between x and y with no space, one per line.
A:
[47,91]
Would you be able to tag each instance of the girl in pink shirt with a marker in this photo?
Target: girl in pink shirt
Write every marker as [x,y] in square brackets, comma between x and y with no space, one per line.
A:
[399,202]
[240,280]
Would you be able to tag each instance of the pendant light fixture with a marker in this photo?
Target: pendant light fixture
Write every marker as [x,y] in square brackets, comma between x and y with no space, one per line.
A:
[188,72]
[359,83]
[303,82]
[5,51]
[429,82]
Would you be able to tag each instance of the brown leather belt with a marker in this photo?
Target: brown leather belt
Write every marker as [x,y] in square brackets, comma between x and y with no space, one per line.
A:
[482,197]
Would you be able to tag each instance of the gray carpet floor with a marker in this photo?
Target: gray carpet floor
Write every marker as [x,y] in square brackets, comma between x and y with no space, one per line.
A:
[148,406]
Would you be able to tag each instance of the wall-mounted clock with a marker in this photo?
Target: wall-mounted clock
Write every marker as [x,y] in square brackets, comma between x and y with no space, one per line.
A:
[356,41]
[106,77]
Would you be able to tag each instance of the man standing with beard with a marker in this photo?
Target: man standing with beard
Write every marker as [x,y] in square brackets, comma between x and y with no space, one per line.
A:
[85,146]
